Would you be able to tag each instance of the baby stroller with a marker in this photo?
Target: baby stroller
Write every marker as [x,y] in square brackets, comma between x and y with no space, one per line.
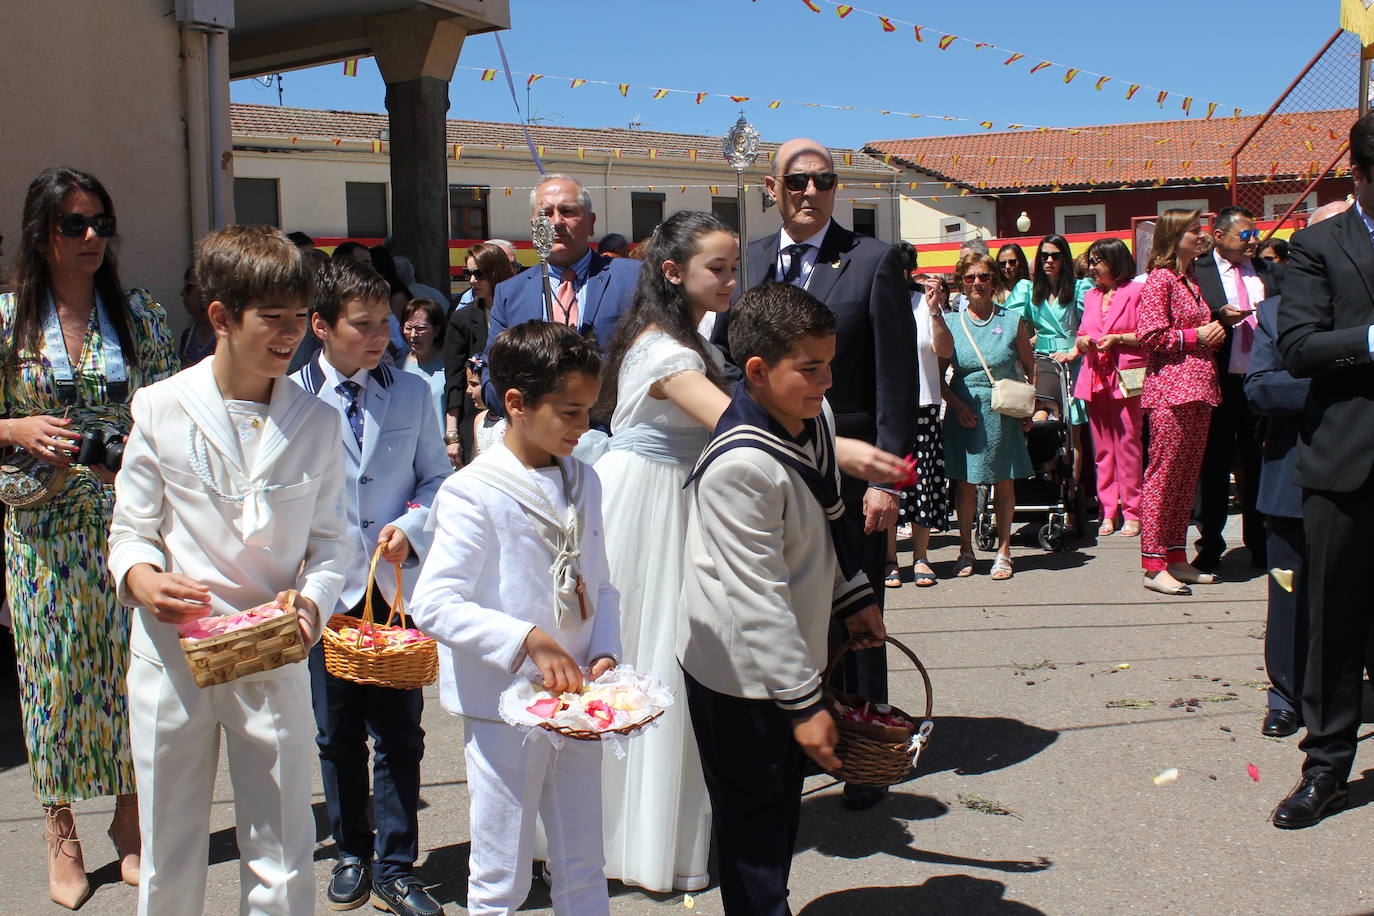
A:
[1051,493]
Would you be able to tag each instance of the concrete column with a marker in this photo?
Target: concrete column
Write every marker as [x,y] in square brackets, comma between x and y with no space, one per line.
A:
[416,52]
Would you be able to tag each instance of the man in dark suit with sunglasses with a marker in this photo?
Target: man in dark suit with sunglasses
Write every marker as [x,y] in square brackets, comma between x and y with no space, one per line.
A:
[1233,282]
[874,391]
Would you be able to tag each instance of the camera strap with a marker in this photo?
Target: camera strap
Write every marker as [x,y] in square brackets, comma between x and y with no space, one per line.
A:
[64,379]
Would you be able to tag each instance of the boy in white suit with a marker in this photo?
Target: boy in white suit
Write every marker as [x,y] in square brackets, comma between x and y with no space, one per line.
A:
[487,593]
[771,557]
[225,502]
[394,462]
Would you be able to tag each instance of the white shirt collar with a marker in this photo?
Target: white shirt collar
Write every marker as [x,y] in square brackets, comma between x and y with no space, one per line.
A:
[814,241]
[333,378]
[1226,266]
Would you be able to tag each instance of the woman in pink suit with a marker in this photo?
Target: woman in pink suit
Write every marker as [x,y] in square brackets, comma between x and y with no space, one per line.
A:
[1175,327]
[1106,337]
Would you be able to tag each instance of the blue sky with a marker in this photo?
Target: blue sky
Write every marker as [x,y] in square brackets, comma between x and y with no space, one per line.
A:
[1238,54]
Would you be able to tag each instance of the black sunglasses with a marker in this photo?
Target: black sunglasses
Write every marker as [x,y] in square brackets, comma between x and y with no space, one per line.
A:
[1051,255]
[470,274]
[796,181]
[74,225]
[1094,260]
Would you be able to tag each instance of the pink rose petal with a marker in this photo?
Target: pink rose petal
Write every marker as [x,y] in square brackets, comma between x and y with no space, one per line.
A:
[1253,771]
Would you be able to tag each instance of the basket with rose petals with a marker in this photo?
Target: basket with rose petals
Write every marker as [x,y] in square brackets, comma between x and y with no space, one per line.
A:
[366,652]
[220,649]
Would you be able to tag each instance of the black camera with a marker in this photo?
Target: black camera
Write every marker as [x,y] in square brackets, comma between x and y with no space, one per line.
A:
[100,445]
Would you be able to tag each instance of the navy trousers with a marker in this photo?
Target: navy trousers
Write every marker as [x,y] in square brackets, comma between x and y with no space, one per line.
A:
[1285,633]
[345,715]
[753,770]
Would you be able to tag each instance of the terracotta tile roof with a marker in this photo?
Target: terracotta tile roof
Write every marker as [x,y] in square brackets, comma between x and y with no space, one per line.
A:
[1171,152]
[309,123]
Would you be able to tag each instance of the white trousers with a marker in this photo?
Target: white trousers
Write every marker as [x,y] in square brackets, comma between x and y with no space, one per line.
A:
[511,779]
[175,731]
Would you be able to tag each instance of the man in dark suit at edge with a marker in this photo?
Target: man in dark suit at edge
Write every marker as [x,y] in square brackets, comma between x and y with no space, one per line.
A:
[1326,333]
[874,392]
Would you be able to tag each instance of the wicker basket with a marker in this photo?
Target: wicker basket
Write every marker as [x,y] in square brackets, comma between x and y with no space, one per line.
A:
[871,754]
[260,647]
[403,666]
[582,734]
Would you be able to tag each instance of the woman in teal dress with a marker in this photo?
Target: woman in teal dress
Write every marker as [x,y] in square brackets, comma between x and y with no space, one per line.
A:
[1052,304]
[75,349]
[981,445]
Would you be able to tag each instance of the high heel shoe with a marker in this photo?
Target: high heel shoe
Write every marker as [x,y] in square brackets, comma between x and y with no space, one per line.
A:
[67,882]
[124,834]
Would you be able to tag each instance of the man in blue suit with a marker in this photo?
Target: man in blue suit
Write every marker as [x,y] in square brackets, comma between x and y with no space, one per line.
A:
[589,291]
[395,463]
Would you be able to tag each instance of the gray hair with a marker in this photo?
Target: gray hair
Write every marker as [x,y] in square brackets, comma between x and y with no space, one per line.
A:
[585,198]
[507,246]
[977,246]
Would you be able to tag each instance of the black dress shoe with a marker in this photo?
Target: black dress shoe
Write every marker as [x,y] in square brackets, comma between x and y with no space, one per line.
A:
[1313,799]
[1280,723]
[858,798]
[1207,561]
[349,883]
[405,897]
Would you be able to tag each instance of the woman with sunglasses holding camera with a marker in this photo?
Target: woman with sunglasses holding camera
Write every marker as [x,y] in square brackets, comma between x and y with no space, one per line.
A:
[487,265]
[75,349]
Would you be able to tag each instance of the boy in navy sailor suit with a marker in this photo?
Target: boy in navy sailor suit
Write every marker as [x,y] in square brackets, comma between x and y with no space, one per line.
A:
[394,463]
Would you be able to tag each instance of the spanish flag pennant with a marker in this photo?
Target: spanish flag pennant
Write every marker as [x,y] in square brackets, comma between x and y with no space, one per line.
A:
[887,158]
[770,154]
[1111,162]
[841,185]
[1054,190]
[715,188]
[1101,81]
[1148,163]
[986,125]
[1013,59]
[1069,75]
[1273,170]
[1161,141]
[507,192]
[956,159]
[1188,105]
[700,96]
[577,82]
[1015,126]
[1235,113]
[811,6]
[1029,159]
[886,24]
[660,93]
[918,32]
[624,89]
[883,111]
[616,152]
[1040,66]
[1163,94]
[992,160]
[581,152]
[682,189]
[457,151]
[948,40]
[540,151]
[963,192]
[1073,160]
[351,67]
[774,104]
[1211,108]
[1159,182]
[920,160]
[1135,87]
[1186,163]
[376,146]
[1308,144]
[534,78]
[842,10]
[911,185]
[488,75]
[477,193]
[739,98]
[848,158]
[692,155]
[948,185]
[337,141]
[653,154]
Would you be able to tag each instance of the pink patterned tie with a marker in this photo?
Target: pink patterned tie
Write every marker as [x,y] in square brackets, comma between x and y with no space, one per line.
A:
[566,310]
[1243,340]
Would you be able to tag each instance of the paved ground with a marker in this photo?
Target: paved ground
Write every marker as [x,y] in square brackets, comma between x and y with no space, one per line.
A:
[1024,672]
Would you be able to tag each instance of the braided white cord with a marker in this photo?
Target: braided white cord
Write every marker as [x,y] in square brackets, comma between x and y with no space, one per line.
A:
[200,464]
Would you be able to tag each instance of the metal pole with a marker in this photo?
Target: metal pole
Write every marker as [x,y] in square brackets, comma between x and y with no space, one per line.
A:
[1364,84]
[542,236]
[743,207]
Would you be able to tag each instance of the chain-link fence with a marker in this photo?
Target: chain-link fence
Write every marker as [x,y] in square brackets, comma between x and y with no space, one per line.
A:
[1302,140]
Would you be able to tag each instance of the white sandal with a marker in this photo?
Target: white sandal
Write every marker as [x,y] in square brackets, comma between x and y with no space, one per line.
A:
[1002,564]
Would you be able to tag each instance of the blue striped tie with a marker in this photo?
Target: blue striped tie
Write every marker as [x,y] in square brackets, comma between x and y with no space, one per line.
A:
[354,413]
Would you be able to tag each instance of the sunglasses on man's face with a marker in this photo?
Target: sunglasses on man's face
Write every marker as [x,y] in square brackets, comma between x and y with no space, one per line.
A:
[797,181]
[469,274]
[74,225]
[1248,235]
[970,279]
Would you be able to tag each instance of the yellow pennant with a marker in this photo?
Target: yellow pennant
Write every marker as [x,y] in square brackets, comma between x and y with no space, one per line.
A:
[739,98]
[376,146]
[1130,93]
[577,82]
[488,75]
[660,93]
[918,32]
[507,192]
[457,151]
[1102,81]
[653,154]
[1040,66]
[351,67]
[987,125]
[715,189]
[534,78]
[886,24]
[811,6]
[581,152]
[774,104]
[692,155]
[1211,108]
[1069,75]
[843,10]
[1011,60]
[624,89]
[948,40]
[848,158]
[1188,105]
[700,96]
[1163,94]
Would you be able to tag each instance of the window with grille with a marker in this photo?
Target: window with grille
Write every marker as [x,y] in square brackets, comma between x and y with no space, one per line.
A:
[256,202]
[366,205]
[866,222]
[726,209]
[467,211]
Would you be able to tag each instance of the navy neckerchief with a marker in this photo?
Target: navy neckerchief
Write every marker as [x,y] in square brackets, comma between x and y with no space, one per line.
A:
[745,424]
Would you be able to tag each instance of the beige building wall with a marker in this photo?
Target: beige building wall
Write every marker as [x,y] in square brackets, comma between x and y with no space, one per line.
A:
[311,186]
[945,218]
[97,84]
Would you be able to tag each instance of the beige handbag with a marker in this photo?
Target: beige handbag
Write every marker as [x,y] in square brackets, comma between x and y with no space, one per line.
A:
[1010,397]
[1131,381]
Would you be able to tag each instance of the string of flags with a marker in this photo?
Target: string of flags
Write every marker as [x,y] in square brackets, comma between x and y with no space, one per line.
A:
[943,41]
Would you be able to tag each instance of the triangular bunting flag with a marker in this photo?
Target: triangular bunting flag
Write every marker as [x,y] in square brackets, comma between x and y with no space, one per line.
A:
[351,67]
[948,40]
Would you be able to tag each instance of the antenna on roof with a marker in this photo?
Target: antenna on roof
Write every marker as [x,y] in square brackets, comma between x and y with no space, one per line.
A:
[536,118]
[266,82]
[636,122]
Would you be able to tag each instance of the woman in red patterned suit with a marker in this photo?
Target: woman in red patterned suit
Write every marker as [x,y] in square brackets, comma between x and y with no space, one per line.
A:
[1175,329]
